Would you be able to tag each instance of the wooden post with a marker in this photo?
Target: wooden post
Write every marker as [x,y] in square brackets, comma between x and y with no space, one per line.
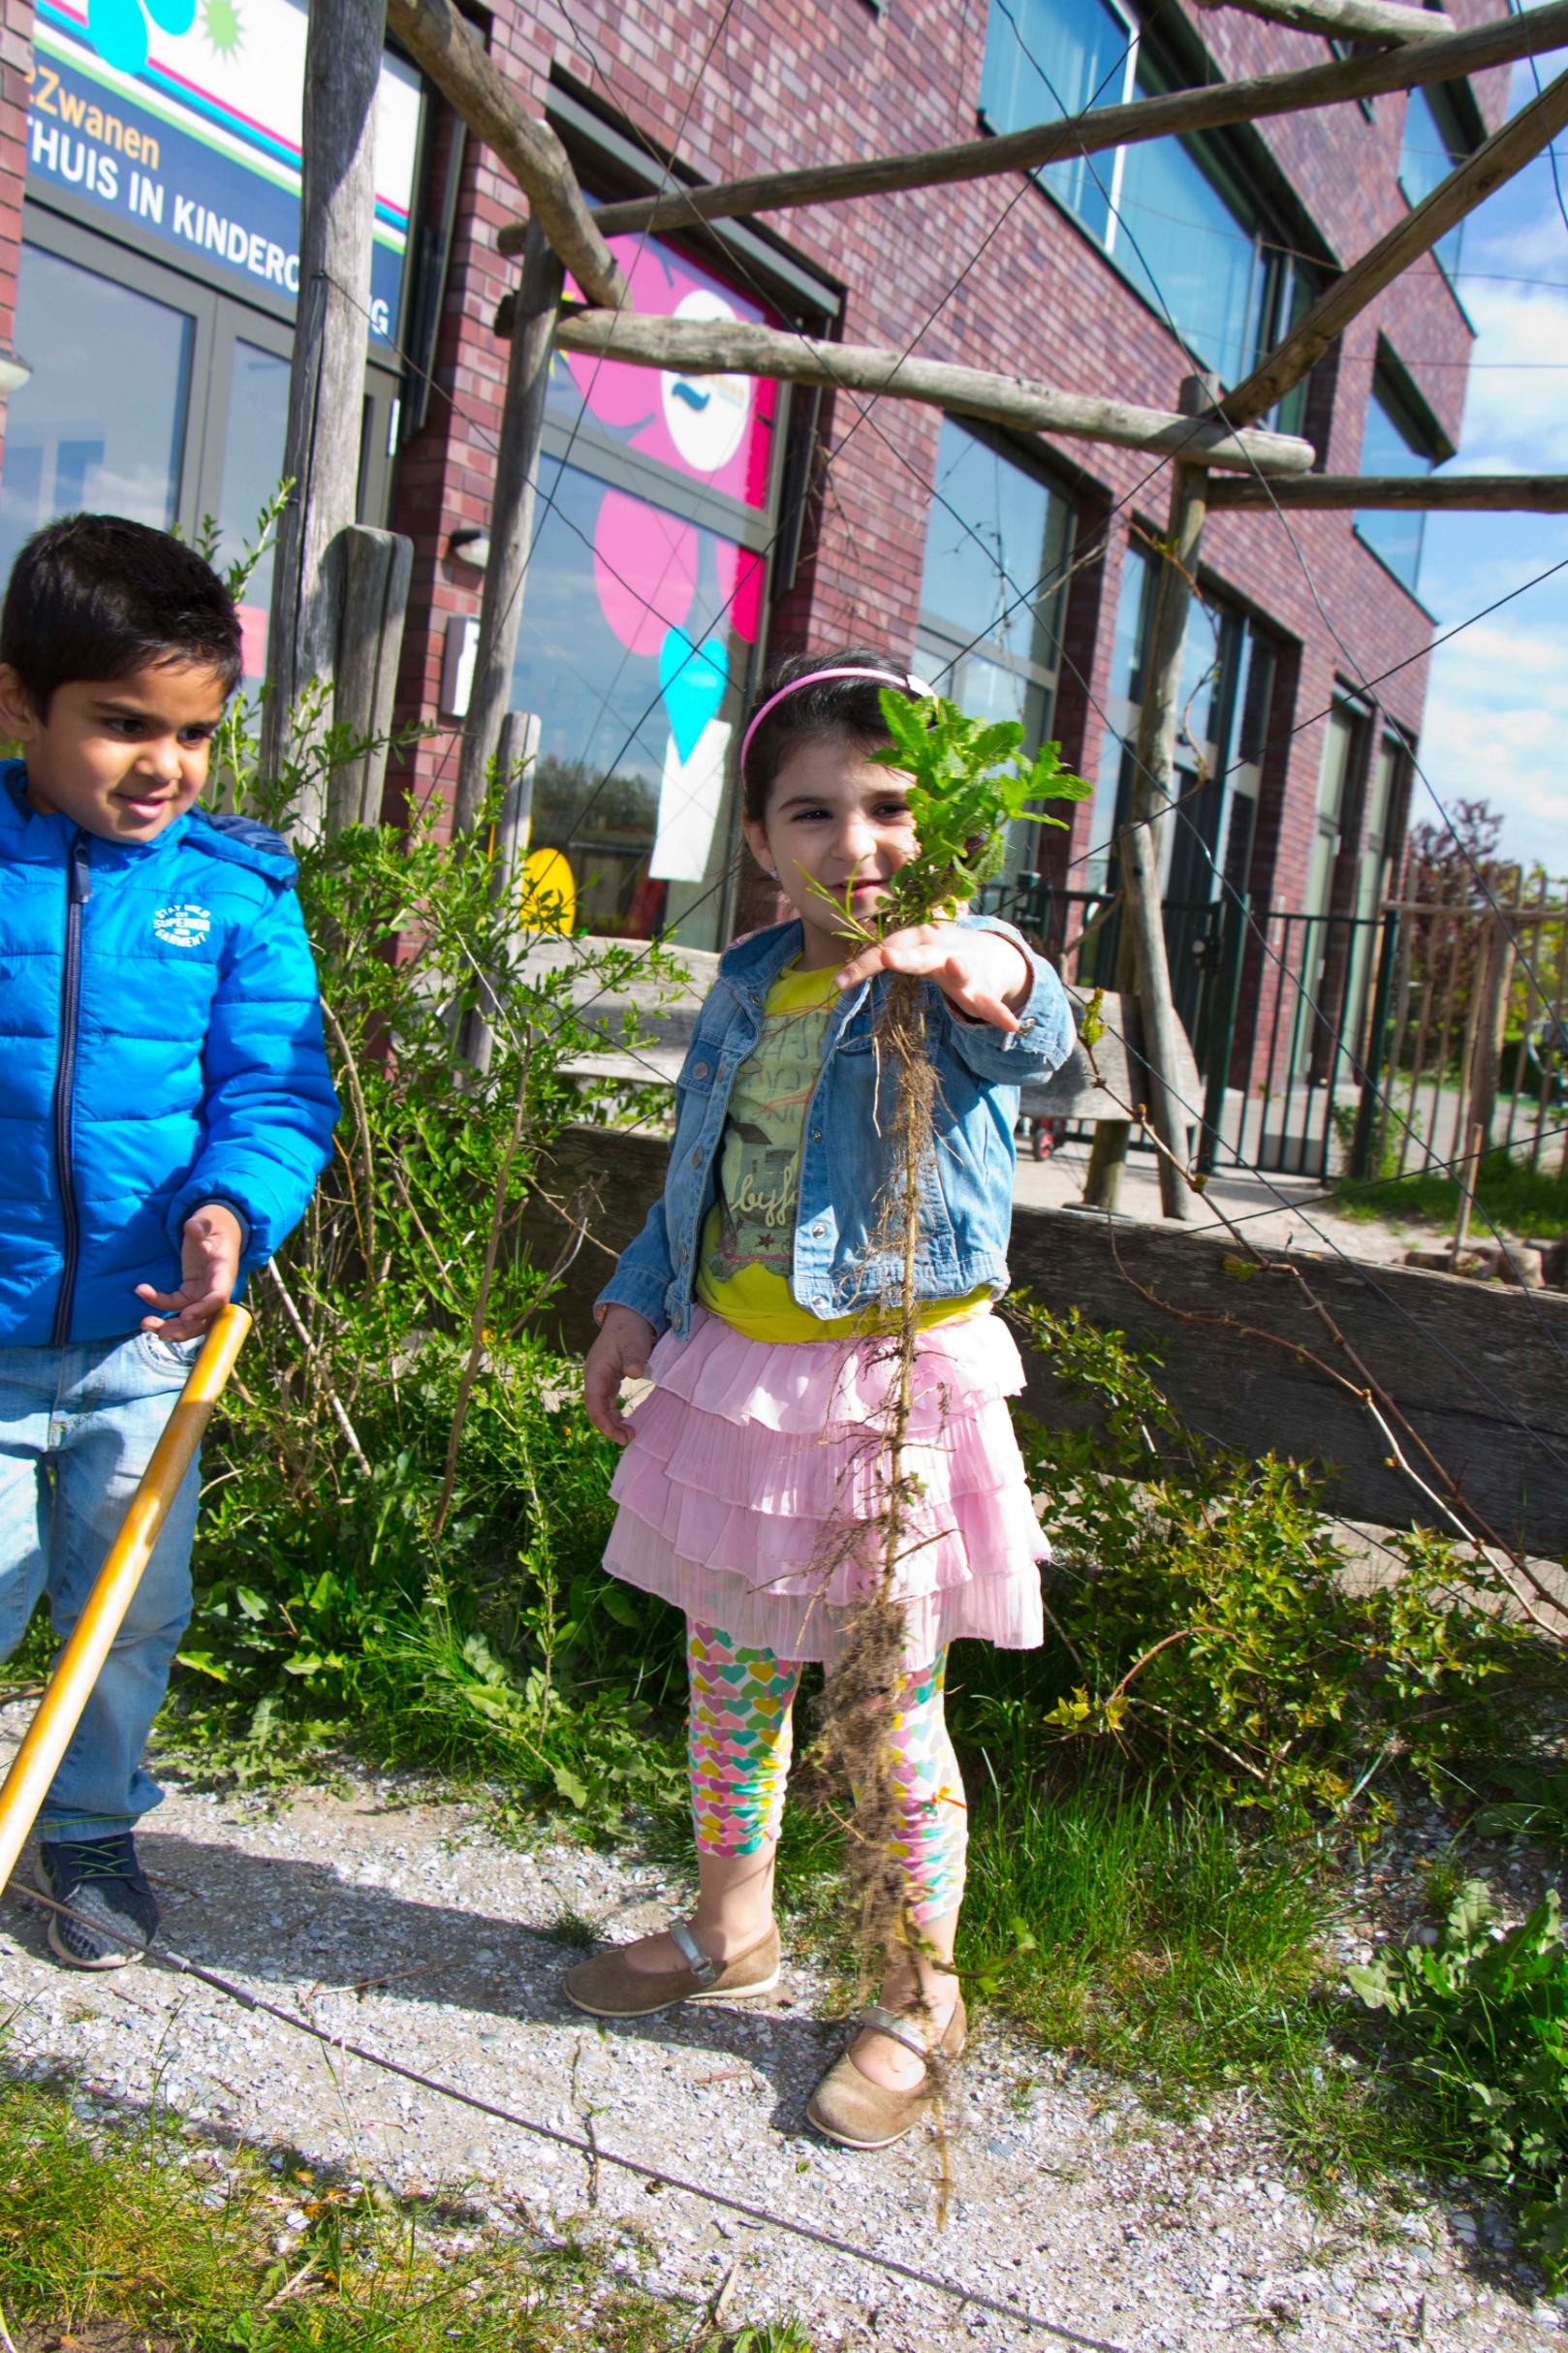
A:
[1496,160]
[1491,1023]
[1350,20]
[1142,967]
[1415,493]
[377,569]
[696,347]
[516,758]
[511,520]
[321,449]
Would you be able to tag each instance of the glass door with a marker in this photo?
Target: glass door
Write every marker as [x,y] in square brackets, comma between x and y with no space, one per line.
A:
[110,417]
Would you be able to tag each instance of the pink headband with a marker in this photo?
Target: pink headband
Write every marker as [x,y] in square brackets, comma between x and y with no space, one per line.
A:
[887,677]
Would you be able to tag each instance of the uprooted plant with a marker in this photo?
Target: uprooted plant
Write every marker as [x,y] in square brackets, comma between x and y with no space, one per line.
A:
[967,780]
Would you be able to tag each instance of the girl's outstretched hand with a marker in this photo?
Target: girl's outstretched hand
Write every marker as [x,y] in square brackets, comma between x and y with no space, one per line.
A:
[620,1354]
[980,972]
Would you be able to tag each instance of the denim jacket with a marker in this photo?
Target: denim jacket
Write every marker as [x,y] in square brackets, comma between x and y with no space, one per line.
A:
[965,1190]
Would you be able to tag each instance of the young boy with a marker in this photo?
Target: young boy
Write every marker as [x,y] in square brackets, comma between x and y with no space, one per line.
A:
[165,1111]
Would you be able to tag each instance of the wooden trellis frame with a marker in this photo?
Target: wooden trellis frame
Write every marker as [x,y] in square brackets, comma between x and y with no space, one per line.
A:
[1206,433]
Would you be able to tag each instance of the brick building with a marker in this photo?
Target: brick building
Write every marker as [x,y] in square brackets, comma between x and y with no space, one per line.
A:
[146,268]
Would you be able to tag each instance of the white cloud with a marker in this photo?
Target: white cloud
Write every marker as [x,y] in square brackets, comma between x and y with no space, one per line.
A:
[1516,418]
[1496,729]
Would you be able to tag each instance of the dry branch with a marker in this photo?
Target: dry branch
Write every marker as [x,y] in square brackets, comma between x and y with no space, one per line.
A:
[1348,19]
[698,347]
[1425,493]
[457,62]
[1444,59]
[1507,152]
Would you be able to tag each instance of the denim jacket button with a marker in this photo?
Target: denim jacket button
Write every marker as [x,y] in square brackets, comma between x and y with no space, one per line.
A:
[817,1233]
[700,1070]
[697,1157]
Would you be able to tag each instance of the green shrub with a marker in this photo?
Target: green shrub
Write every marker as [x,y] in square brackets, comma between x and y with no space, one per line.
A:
[1483,2015]
[405,1505]
[1206,1620]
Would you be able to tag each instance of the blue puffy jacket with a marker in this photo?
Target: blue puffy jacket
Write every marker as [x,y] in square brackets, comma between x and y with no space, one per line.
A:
[160,1046]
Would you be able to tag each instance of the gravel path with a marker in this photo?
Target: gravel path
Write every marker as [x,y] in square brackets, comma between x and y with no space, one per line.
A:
[1069,2196]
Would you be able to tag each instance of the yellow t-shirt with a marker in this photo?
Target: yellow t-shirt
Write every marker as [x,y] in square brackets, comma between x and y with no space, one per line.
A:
[748,1236]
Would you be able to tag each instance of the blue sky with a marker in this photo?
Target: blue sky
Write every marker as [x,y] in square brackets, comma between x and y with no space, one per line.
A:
[1496,720]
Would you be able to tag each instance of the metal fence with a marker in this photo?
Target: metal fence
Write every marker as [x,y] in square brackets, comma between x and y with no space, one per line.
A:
[1355,1043]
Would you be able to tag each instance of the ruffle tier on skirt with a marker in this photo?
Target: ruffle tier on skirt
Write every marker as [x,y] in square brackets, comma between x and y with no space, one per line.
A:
[750,1491]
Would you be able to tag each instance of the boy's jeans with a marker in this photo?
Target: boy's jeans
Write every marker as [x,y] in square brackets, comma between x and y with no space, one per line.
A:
[77,1426]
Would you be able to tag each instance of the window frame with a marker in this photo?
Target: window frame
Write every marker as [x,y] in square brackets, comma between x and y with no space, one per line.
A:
[1279,267]
[944,645]
[1393,390]
[220,320]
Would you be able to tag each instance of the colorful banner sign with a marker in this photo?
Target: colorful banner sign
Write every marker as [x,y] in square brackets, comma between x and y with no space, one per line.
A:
[183,124]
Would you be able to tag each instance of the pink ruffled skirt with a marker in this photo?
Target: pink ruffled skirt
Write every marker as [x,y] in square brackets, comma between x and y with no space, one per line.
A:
[750,1489]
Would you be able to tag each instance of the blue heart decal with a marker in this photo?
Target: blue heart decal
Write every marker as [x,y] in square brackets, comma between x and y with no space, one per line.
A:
[692,679]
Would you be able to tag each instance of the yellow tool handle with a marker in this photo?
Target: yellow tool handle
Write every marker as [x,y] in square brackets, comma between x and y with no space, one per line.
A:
[81,1662]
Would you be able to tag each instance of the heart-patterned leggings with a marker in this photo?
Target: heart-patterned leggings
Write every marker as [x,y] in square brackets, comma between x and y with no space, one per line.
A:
[740,1733]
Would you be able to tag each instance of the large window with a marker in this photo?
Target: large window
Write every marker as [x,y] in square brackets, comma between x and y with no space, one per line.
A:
[1222,707]
[992,592]
[643,611]
[1398,439]
[1433,144]
[185,421]
[1172,213]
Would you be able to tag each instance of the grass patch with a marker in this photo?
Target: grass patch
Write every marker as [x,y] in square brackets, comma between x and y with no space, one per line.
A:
[136,2235]
[1513,1195]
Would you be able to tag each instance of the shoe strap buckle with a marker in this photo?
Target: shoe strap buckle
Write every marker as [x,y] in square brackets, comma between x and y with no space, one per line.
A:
[702,1966]
[898,2029]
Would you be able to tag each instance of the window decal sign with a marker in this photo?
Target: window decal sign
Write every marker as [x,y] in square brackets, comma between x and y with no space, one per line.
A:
[182,124]
[715,430]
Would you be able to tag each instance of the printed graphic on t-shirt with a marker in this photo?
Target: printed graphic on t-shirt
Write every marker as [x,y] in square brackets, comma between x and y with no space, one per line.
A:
[760,1158]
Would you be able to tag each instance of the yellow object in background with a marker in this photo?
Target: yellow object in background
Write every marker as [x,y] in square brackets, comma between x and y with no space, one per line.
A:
[548,901]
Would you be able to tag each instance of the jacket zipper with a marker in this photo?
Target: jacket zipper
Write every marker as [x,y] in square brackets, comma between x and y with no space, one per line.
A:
[79,889]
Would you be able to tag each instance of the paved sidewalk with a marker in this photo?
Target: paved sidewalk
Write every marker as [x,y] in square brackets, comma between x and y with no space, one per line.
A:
[1279,1212]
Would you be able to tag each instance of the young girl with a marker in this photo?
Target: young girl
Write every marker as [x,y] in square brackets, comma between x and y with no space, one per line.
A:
[758,1266]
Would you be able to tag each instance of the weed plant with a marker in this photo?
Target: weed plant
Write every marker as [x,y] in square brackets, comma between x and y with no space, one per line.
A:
[1480,2020]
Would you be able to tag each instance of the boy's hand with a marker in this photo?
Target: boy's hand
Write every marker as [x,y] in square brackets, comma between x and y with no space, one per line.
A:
[620,1354]
[980,972]
[209,1262]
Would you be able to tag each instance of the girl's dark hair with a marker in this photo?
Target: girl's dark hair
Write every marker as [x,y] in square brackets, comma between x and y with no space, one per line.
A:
[837,707]
[98,596]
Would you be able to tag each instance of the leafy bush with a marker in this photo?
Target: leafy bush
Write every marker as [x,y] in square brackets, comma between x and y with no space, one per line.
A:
[1485,2013]
[1209,1618]
[405,1506]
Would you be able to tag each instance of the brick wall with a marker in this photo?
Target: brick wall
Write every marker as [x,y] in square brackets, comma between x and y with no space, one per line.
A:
[789,78]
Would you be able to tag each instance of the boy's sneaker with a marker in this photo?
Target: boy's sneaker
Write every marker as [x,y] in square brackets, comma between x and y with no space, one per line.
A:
[113,1914]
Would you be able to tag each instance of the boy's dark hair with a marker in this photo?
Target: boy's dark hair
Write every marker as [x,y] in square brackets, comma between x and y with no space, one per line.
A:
[839,707]
[98,596]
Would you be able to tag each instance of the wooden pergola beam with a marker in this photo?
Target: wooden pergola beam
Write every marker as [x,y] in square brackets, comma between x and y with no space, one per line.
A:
[456,59]
[1496,160]
[1346,19]
[703,347]
[1418,494]
[1210,108]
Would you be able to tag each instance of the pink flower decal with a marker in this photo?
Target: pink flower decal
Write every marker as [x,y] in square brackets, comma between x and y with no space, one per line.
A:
[645,569]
